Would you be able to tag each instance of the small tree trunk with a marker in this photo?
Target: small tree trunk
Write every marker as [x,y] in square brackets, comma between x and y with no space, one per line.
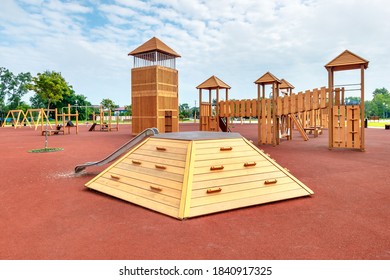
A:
[47,124]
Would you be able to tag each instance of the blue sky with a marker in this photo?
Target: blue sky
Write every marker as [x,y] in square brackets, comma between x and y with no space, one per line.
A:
[238,41]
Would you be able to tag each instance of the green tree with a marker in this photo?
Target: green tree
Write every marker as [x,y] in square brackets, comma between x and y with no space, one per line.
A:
[352,100]
[13,87]
[194,112]
[6,78]
[52,87]
[129,109]
[382,91]
[184,110]
[108,104]
[72,99]
[79,101]
[379,105]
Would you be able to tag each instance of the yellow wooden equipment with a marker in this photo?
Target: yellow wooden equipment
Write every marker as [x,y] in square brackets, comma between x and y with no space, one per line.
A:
[188,174]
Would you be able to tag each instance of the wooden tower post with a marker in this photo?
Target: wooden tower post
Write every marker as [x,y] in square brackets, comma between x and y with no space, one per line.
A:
[346,122]
[209,119]
[154,88]
[268,121]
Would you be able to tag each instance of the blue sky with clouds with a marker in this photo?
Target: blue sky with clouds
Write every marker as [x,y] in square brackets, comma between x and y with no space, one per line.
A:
[238,41]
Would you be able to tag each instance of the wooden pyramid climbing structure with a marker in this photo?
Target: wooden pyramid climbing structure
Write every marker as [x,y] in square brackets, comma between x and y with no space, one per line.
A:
[188,174]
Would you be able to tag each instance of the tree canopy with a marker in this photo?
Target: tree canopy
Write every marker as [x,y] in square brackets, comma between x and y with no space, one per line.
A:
[108,104]
[13,88]
[50,86]
[379,105]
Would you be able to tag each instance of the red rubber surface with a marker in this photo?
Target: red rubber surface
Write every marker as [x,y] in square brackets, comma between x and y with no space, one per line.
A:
[47,213]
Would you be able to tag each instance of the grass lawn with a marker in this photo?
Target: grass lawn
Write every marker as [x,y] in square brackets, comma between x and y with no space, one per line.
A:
[378,124]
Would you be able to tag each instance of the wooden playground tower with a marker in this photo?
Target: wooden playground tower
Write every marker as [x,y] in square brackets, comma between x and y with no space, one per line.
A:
[154,87]
[308,112]
[268,122]
[209,115]
[346,129]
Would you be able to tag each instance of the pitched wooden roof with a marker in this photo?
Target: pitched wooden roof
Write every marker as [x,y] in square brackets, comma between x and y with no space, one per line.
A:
[154,44]
[347,61]
[267,78]
[213,83]
[284,84]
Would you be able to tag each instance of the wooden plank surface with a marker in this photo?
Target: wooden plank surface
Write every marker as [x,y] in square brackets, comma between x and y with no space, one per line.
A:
[293,101]
[300,102]
[349,130]
[308,100]
[228,196]
[316,99]
[217,207]
[254,108]
[166,195]
[357,127]
[269,122]
[336,127]
[142,201]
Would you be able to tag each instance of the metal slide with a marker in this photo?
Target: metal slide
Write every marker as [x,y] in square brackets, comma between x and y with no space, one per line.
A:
[124,148]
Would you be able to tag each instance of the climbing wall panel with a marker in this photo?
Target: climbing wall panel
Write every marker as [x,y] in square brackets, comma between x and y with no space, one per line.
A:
[237,175]
[346,126]
[188,174]
[266,123]
[150,176]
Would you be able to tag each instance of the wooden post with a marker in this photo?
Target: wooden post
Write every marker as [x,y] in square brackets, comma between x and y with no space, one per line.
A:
[227,108]
[362,145]
[275,95]
[217,109]
[259,116]
[77,121]
[200,105]
[330,107]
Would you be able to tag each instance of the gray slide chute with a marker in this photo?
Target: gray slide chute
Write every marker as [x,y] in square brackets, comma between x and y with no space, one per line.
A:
[117,153]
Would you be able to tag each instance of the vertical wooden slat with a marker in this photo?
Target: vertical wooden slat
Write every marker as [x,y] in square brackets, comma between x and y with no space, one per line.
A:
[263,121]
[237,108]
[342,127]
[307,100]
[286,105]
[231,108]
[323,97]
[300,102]
[279,106]
[350,131]
[336,126]
[316,99]
[269,121]
[253,108]
[294,108]
[242,108]
[357,124]
[337,96]
[248,108]
[225,109]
